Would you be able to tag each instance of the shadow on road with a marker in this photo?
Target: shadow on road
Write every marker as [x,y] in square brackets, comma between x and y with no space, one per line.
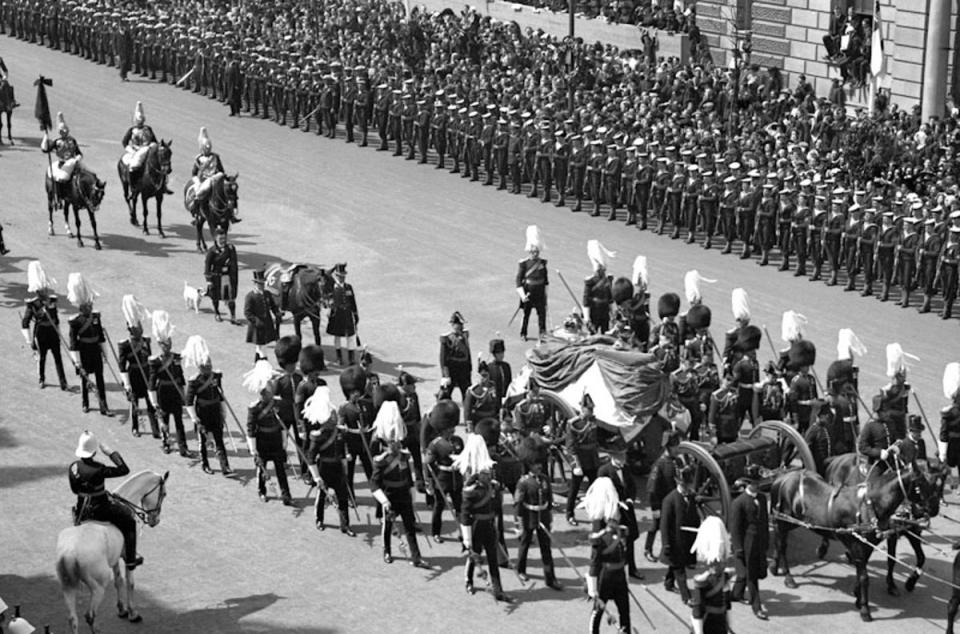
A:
[13,476]
[41,604]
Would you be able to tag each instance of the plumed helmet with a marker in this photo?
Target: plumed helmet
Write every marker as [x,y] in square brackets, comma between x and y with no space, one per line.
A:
[532,450]
[444,415]
[802,353]
[79,291]
[388,425]
[534,239]
[848,344]
[258,378]
[601,501]
[712,544]
[598,254]
[195,352]
[318,408]
[668,305]
[138,116]
[62,126]
[897,359]
[475,457]
[641,277]
[37,279]
[311,359]
[622,290]
[203,140]
[353,379]
[749,338]
[133,312]
[691,285]
[792,326]
[489,430]
[160,326]
[740,304]
[699,316]
[951,380]
[840,373]
[386,392]
[287,350]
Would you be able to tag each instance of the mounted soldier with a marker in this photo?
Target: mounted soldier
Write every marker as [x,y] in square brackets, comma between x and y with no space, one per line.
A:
[136,142]
[207,170]
[69,158]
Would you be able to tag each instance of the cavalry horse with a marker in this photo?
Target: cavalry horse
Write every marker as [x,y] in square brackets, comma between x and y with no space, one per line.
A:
[844,469]
[857,516]
[90,553]
[152,183]
[217,211]
[83,191]
[303,290]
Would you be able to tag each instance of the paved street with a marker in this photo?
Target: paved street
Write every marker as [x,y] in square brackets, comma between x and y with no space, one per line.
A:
[419,243]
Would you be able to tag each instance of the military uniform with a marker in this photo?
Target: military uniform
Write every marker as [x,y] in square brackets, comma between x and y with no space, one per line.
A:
[597,298]
[133,358]
[41,310]
[356,431]
[259,309]
[608,556]
[580,439]
[749,541]
[393,479]
[326,447]
[533,501]
[86,338]
[221,272]
[205,395]
[875,439]
[266,430]
[679,512]
[455,359]
[95,504]
[532,278]
[442,478]
[482,503]
[165,383]
[950,433]
[479,402]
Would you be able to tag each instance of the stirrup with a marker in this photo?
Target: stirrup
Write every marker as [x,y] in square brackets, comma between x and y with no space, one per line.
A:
[138,560]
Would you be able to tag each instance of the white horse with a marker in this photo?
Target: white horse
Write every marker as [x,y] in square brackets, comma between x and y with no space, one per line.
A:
[91,552]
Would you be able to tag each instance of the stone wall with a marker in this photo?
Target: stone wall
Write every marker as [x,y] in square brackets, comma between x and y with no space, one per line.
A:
[789,34]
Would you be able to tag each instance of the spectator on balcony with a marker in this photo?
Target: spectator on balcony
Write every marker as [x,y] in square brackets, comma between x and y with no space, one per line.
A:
[831,41]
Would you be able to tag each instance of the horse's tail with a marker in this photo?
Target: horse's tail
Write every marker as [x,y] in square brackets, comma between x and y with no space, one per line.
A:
[68,569]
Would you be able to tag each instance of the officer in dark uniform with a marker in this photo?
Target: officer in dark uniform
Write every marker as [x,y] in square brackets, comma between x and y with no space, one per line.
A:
[93,502]
[533,503]
[326,456]
[662,480]
[799,236]
[561,166]
[642,186]
[679,513]
[785,223]
[533,413]
[612,171]
[456,365]
[501,374]
[265,434]
[165,384]
[578,170]
[618,471]
[749,540]
[948,442]
[284,387]
[481,400]
[581,442]
[728,207]
[133,358]
[260,309]
[709,199]
[608,554]
[766,223]
[948,272]
[220,271]
[690,202]
[344,316]
[598,290]
[354,424]
[86,342]
[443,481]
[849,245]
[41,310]
[531,283]
[833,238]
[867,246]
[893,400]
[204,402]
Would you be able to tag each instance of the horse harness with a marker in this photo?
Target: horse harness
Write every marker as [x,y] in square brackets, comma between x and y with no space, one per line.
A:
[146,515]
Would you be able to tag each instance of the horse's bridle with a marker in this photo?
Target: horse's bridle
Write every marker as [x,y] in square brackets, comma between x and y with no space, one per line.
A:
[82,195]
[220,197]
[147,516]
[158,170]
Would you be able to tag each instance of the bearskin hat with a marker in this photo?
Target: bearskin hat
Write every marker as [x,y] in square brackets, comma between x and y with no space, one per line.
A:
[444,415]
[749,338]
[802,353]
[311,359]
[532,450]
[287,350]
[353,379]
[489,429]
[497,345]
[668,305]
[622,289]
[839,373]
[698,317]
[386,392]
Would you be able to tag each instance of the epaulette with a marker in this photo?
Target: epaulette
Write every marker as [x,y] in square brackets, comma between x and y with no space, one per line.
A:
[522,260]
[254,403]
[947,409]
[382,456]
[194,377]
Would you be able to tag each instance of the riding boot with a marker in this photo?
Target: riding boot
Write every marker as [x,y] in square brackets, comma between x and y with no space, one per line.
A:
[134,420]
[224,464]
[350,357]
[130,556]
[925,306]
[165,437]
[152,417]
[339,356]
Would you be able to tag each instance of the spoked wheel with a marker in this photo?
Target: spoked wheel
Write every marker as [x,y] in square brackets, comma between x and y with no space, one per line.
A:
[789,451]
[711,489]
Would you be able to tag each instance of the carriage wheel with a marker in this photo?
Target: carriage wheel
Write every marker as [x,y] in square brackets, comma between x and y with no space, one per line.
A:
[793,450]
[710,485]
[559,467]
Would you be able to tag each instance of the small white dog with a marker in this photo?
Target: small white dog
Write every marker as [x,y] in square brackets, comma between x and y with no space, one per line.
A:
[192,297]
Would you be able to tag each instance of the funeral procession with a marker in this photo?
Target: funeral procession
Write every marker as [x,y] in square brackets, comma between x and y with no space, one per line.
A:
[536,316]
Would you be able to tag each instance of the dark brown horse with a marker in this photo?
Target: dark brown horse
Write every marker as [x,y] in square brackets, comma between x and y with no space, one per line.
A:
[303,290]
[844,469]
[83,191]
[217,211]
[151,184]
[856,516]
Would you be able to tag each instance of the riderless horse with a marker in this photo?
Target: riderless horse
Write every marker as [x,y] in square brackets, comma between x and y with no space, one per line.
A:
[844,469]
[90,553]
[303,290]
[217,211]
[83,191]
[152,183]
[857,516]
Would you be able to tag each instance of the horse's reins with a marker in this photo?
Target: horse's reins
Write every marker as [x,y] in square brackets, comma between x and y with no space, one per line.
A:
[141,512]
[83,196]
[158,170]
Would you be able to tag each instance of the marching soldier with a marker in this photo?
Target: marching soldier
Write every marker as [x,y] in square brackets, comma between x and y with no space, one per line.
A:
[87,482]
[905,259]
[531,283]
[204,402]
[41,310]
[220,271]
[659,484]
[86,341]
[887,243]
[850,246]
[740,304]
[166,382]
[515,157]
[928,258]
[392,480]
[598,289]
[438,131]
[455,361]
[608,553]
[343,314]
[709,199]
[533,500]
[443,481]
[381,111]
[133,355]
[260,310]
[947,273]
[326,457]
[627,178]
[533,413]
[265,433]
[800,236]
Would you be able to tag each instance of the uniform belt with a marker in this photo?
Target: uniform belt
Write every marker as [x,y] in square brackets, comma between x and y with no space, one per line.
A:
[353,430]
[614,565]
[203,401]
[715,609]
[536,507]
[329,460]
[92,495]
[483,516]
[954,435]
[444,467]
[394,485]
[745,386]
[88,339]
[166,382]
